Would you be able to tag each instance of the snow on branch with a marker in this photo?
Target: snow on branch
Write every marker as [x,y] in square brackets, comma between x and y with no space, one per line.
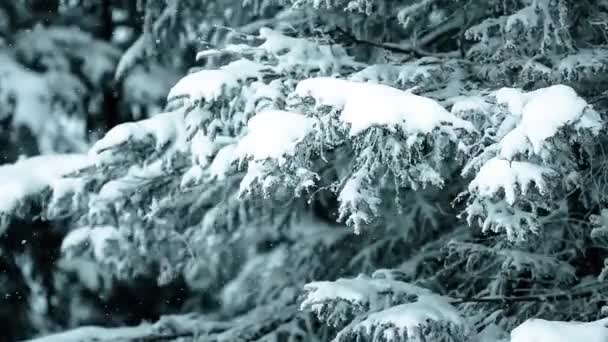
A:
[304,55]
[273,134]
[510,177]
[338,302]
[429,317]
[528,146]
[210,85]
[28,178]
[542,113]
[364,105]
[166,131]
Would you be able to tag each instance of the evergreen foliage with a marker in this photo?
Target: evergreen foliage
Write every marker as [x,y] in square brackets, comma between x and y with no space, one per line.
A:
[354,170]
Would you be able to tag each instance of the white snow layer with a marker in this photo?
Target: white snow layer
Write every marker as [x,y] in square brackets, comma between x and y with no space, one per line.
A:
[542,113]
[498,174]
[540,330]
[273,134]
[364,105]
[29,176]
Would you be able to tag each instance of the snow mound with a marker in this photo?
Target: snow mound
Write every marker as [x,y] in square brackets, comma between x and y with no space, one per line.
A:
[498,174]
[273,134]
[540,330]
[364,105]
[29,176]
[542,113]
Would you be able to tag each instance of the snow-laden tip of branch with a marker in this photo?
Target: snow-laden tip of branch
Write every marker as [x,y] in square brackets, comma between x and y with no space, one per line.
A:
[273,134]
[364,105]
[498,174]
[166,129]
[542,113]
[362,290]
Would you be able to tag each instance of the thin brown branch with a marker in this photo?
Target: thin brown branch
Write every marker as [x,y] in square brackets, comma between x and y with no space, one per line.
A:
[536,298]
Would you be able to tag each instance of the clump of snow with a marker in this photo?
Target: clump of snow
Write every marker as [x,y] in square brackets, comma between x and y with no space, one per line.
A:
[330,91]
[29,176]
[210,85]
[413,113]
[362,290]
[364,105]
[408,319]
[273,134]
[540,330]
[165,128]
[542,113]
[499,174]
[205,85]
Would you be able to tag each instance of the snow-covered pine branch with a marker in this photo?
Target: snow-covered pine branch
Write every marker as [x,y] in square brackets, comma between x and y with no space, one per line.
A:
[531,161]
